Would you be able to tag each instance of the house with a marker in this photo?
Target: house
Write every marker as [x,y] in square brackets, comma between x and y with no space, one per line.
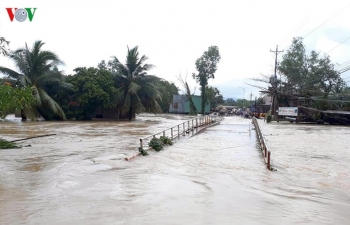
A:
[182,105]
[265,106]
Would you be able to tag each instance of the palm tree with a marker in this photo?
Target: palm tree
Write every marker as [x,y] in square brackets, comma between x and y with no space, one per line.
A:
[37,68]
[139,89]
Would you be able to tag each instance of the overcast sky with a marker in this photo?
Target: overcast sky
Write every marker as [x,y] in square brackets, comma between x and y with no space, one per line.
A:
[173,34]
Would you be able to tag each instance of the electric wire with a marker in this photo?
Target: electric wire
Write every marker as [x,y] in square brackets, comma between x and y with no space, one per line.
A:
[326,21]
[338,45]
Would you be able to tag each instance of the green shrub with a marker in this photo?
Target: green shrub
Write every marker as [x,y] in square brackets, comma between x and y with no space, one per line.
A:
[166,140]
[143,151]
[156,144]
[7,144]
[268,118]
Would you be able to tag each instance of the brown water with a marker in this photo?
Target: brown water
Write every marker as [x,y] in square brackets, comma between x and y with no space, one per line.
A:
[80,176]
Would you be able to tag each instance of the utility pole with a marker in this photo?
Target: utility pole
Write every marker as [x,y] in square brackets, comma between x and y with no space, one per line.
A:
[276,53]
[275,81]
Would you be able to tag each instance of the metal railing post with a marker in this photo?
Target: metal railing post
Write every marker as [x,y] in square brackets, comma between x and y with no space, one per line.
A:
[178,131]
[172,137]
[192,127]
[163,133]
[141,146]
[183,129]
[268,159]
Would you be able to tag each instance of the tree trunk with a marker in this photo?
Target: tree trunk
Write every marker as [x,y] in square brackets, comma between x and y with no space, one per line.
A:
[23,115]
[130,113]
[203,100]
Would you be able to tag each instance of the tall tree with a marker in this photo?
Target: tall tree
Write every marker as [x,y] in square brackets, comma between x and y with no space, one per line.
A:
[206,66]
[167,90]
[214,96]
[138,88]
[193,109]
[309,74]
[37,69]
[93,88]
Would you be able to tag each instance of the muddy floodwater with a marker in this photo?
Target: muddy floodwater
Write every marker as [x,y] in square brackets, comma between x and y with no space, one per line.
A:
[79,176]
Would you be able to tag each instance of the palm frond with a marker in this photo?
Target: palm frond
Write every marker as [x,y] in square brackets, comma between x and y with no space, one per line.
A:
[52,104]
[126,103]
[10,73]
[31,112]
[133,88]
[25,81]
[36,95]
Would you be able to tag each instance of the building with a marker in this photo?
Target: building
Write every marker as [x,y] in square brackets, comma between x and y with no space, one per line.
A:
[265,106]
[182,105]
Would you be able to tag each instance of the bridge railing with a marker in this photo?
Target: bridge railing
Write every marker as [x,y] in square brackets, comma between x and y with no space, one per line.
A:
[263,145]
[175,132]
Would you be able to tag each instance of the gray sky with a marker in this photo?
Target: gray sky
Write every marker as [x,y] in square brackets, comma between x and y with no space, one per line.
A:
[173,34]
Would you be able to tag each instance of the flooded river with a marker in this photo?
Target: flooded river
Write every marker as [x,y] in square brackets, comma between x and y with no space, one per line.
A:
[79,176]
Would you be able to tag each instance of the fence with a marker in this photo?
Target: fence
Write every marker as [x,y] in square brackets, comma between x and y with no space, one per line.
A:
[264,149]
[188,127]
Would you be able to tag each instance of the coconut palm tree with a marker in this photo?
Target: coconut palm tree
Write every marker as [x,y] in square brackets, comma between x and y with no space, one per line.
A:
[37,68]
[139,89]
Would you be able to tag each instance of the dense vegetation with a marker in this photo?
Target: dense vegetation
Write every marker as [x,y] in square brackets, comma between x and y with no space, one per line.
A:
[313,76]
[309,76]
[14,98]
[37,87]
[37,70]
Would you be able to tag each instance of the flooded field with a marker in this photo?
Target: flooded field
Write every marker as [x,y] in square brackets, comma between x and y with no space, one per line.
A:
[79,176]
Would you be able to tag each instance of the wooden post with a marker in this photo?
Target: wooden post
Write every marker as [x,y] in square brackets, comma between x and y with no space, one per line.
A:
[268,159]
[192,127]
[172,134]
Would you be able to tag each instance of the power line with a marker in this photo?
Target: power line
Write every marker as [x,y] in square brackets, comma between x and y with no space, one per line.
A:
[293,32]
[342,64]
[339,45]
[326,20]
